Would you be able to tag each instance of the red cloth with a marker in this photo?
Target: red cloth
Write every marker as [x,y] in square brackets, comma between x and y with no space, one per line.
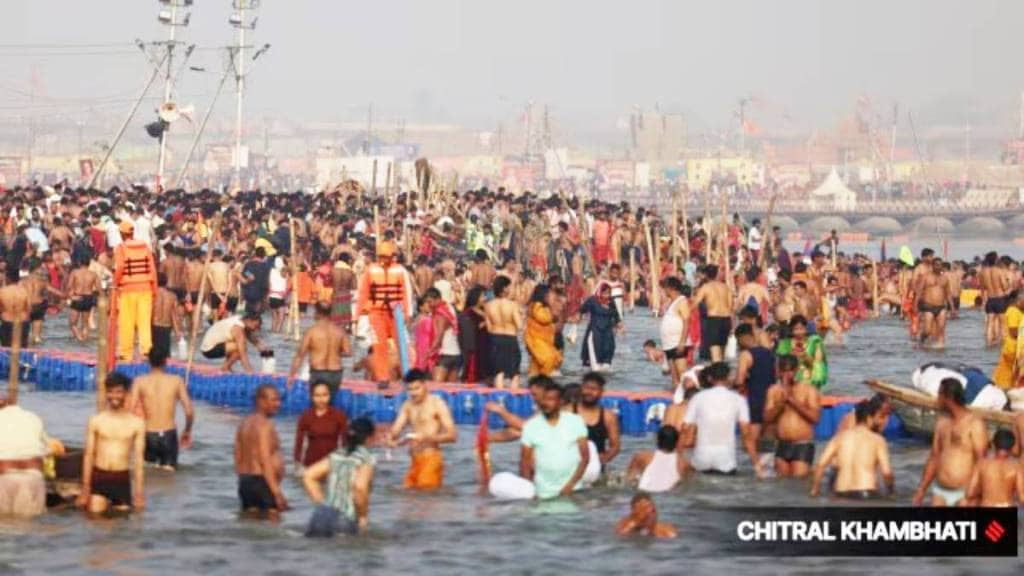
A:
[323,434]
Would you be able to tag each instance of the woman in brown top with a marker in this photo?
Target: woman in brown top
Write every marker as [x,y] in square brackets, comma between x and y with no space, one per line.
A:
[322,424]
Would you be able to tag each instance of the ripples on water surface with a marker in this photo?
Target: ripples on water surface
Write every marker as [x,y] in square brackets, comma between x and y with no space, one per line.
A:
[191,525]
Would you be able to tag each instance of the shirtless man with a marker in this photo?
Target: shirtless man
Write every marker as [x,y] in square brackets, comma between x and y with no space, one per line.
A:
[958,444]
[258,460]
[784,297]
[173,265]
[423,276]
[998,480]
[159,394]
[326,343]
[39,288]
[794,409]
[219,277]
[193,282]
[14,307]
[83,286]
[343,282]
[114,442]
[753,293]
[643,520]
[716,296]
[482,271]
[858,455]
[995,284]
[933,300]
[503,319]
[432,426]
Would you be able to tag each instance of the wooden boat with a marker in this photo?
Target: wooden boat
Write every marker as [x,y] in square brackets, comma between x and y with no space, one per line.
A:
[919,412]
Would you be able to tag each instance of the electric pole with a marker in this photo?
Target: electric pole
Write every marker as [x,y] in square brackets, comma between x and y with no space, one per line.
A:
[168,16]
[237,20]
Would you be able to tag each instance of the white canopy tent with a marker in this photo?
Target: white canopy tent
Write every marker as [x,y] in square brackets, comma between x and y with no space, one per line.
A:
[843,199]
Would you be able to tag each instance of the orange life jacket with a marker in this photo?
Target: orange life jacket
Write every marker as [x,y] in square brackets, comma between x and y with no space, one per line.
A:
[134,268]
[381,289]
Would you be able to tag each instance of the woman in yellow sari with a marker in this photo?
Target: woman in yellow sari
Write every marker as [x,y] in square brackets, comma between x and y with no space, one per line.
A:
[539,336]
[1007,372]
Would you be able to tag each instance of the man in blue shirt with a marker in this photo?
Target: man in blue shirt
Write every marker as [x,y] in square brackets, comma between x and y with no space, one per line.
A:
[554,446]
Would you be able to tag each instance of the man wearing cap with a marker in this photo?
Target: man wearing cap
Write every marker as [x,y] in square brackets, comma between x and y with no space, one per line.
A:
[382,287]
[135,285]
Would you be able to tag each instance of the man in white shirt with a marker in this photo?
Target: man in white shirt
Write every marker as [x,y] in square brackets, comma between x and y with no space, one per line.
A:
[754,240]
[23,445]
[712,416]
[143,227]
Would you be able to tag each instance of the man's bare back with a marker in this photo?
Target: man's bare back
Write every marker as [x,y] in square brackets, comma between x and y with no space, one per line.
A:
[159,394]
[503,316]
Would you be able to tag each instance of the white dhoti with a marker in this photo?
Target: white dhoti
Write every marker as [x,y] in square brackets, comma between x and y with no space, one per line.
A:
[22,493]
[508,486]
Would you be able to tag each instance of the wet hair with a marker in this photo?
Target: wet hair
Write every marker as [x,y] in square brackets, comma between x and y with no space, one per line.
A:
[157,357]
[717,372]
[253,315]
[359,431]
[323,309]
[595,377]
[743,330]
[500,285]
[797,320]
[711,271]
[672,283]
[263,390]
[639,497]
[432,293]
[118,380]
[316,384]
[668,438]
[540,381]
[1003,440]
[650,344]
[862,411]
[788,362]
[991,258]
[952,389]
[878,400]
[926,252]
[415,375]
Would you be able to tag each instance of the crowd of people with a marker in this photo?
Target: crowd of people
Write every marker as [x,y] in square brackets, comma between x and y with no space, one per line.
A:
[446,287]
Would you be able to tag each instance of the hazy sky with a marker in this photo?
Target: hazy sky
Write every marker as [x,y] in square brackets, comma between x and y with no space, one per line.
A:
[478,61]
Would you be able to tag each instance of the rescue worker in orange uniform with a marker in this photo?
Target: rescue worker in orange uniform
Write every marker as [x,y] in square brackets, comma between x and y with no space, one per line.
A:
[135,285]
[382,287]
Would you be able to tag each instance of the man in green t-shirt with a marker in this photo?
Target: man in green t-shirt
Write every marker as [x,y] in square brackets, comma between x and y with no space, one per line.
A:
[555,453]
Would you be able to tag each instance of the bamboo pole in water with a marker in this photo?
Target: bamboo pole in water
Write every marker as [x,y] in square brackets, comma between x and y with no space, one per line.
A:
[707,227]
[767,238]
[632,278]
[197,312]
[12,376]
[874,288]
[102,342]
[725,243]
[674,229]
[686,224]
[295,276]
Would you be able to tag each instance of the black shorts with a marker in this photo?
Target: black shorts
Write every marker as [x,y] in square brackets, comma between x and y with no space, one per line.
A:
[232,303]
[215,301]
[193,297]
[842,302]
[858,494]
[83,303]
[276,303]
[162,448]
[7,333]
[162,339]
[995,305]
[675,354]
[38,312]
[254,493]
[717,331]
[505,355]
[450,362]
[180,293]
[333,378]
[795,451]
[116,487]
[928,309]
[216,353]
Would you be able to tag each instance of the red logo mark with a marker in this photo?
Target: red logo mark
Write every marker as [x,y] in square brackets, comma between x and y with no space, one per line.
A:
[994,531]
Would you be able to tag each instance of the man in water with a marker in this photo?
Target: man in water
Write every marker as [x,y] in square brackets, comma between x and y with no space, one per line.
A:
[753,293]
[995,283]
[258,461]
[602,425]
[755,373]
[23,445]
[880,406]
[659,470]
[326,343]
[794,409]
[160,393]
[504,320]
[858,455]
[14,307]
[514,424]
[714,294]
[643,520]
[934,300]
[115,441]
[554,452]
[998,480]
[657,356]
[958,445]
[711,418]
[675,327]
[167,324]
[228,339]
[432,425]
[83,285]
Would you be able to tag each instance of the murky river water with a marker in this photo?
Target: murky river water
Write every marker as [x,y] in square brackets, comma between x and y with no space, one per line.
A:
[191,523]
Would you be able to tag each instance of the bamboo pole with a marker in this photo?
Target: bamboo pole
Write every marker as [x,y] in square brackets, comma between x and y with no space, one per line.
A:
[376,228]
[725,243]
[13,373]
[632,278]
[674,229]
[652,272]
[707,227]
[387,183]
[373,180]
[686,224]
[102,343]
[767,237]
[197,311]
[295,277]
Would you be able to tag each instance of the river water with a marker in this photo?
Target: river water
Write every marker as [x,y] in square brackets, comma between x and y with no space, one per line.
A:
[191,523]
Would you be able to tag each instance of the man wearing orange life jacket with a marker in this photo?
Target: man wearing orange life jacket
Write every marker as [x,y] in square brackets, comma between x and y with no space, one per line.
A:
[383,286]
[135,283]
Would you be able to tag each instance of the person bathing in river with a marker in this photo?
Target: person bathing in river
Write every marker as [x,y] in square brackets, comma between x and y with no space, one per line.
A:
[998,480]
[432,425]
[858,454]
[349,472]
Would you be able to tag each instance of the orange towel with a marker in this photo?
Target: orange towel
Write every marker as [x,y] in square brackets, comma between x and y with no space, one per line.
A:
[426,471]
